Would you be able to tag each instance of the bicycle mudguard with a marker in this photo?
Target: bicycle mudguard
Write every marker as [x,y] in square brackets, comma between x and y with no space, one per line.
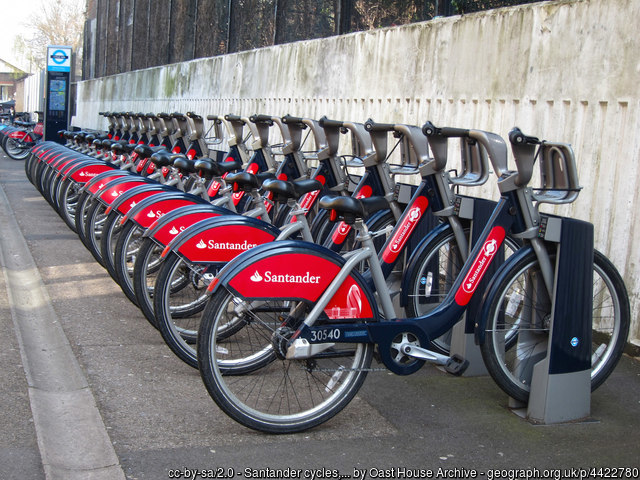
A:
[415,255]
[54,161]
[492,290]
[18,134]
[131,197]
[102,180]
[65,169]
[148,210]
[221,239]
[62,162]
[165,229]
[119,186]
[297,270]
[82,174]
[43,148]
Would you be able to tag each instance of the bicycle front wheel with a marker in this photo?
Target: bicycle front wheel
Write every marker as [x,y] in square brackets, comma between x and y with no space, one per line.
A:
[435,270]
[244,369]
[517,329]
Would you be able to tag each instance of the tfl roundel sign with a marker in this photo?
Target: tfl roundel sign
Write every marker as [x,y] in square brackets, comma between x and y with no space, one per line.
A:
[58,59]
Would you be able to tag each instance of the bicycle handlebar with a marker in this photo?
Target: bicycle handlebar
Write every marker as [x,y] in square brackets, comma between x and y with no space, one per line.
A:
[289,120]
[516,137]
[233,118]
[325,122]
[371,126]
[429,129]
[260,118]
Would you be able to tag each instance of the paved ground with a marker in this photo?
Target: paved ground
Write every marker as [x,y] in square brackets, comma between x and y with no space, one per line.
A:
[157,415]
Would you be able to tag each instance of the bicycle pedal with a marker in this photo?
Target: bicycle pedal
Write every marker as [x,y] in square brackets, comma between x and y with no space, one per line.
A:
[456,365]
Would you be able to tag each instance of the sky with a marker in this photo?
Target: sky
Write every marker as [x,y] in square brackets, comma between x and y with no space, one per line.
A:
[14,13]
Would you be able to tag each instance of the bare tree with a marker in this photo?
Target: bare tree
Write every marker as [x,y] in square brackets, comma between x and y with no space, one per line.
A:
[59,22]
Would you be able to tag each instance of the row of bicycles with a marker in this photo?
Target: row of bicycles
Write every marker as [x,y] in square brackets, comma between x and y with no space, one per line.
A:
[19,136]
[287,258]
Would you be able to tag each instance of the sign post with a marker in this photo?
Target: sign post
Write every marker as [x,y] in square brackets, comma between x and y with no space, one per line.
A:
[56,113]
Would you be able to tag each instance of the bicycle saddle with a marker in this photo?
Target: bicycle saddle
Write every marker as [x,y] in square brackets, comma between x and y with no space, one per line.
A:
[350,208]
[145,151]
[183,164]
[246,181]
[161,158]
[120,148]
[283,190]
[211,168]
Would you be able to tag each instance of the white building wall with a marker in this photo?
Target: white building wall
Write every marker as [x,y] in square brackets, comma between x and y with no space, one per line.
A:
[564,71]
[34,93]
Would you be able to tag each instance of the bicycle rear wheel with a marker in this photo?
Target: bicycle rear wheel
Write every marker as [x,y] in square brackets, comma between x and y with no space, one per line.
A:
[245,372]
[179,298]
[15,150]
[521,304]
[145,274]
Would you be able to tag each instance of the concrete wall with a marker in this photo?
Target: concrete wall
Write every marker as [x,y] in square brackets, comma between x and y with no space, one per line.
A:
[564,71]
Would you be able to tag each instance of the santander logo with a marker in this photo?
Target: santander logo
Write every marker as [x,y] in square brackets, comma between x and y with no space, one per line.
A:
[403,232]
[412,218]
[256,277]
[480,265]
[488,250]
[269,277]
[215,245]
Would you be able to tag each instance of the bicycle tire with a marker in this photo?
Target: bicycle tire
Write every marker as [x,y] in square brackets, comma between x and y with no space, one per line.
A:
[68,202]
[108,240]
[84,203]
[29,166]
[127,247]
[433,272]
[145,273]
[509,298]
[306,392]
[15,151]
[179,299]
[93,225]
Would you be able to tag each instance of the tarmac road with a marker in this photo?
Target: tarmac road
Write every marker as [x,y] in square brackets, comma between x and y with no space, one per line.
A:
[90,391]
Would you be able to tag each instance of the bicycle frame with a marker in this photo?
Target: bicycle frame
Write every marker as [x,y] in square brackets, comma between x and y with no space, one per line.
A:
[512,214]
